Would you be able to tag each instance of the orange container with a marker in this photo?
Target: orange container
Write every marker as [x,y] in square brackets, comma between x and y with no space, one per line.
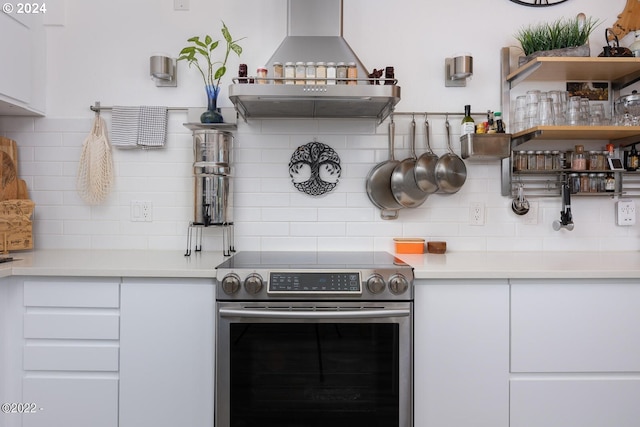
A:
[409,245]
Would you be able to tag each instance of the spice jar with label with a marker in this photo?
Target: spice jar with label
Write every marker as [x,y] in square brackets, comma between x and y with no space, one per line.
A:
[321,73]
[341,73]
[289,73]
[242,73]
[584,182]
[558,160]
[610,183]
[278,72]
[352,73]
[301,72]
[262,75]
[520,160]
[331,73]
[579,162]
[540,160]
[310,73]
[574,183]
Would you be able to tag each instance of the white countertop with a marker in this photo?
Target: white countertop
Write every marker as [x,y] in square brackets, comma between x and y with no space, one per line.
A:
[452,265]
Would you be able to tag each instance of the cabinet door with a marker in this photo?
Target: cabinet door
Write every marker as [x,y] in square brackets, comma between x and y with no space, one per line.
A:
[575,326]
[166,353]
[462,353]
[71,402]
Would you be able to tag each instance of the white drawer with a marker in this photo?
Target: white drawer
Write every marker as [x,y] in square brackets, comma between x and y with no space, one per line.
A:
[40,357]
[71,292]
[99,326]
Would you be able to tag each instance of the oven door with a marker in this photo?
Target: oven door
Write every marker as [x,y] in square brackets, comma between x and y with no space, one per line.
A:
[314,364]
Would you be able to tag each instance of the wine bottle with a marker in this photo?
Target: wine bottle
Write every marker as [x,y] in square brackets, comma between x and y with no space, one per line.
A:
[468,125]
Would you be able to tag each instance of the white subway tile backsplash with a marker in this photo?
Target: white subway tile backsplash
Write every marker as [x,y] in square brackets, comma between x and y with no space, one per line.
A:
[269,213]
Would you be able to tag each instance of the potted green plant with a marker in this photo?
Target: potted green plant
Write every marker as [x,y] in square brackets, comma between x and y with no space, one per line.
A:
[211,70]
[562,37]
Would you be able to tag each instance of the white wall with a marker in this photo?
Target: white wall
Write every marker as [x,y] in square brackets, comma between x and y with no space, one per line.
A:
[99,50]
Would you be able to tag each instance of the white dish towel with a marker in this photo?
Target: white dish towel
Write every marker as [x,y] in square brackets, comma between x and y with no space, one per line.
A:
[139,127]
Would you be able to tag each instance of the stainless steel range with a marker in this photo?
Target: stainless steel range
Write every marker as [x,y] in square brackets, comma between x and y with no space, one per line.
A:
[310,339]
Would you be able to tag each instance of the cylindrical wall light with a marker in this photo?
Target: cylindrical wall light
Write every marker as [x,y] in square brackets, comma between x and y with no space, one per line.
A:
[163,70]
[457,69]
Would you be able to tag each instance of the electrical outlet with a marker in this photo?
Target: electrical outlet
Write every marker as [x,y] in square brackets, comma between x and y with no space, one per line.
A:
[476,213]
[531,217]
[141,210]
[625,212]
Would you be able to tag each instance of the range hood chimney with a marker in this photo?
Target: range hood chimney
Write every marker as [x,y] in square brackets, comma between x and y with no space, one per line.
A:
[314,33]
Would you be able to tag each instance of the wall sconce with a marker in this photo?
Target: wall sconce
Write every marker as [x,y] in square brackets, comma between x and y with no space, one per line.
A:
[163,70]
[457,69]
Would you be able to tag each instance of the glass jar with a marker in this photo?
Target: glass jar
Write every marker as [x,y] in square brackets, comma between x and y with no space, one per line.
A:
[602,178]
[574,183]
[610,183]
[558,160]
[593,183]
[579,161]
[321,73]
[531,160]
[341,73]
[289,73]
[352,73]
[331,73]
[540,160]
[520,160]
[278,72]
[301,72]
[262,75]
[310,73]
[584,182]
[548,160]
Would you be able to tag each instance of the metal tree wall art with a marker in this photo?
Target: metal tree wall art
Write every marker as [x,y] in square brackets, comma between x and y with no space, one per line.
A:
[315,168]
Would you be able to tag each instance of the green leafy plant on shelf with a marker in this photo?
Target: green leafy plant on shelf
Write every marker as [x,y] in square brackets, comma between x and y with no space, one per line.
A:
[211,69]
[559,34]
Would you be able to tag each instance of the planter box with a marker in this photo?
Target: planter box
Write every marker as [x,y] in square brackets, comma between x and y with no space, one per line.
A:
[568,51]
[485,145]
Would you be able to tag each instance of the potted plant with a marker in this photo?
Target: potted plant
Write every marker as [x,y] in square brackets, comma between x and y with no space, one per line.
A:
[211,70]
[563,37]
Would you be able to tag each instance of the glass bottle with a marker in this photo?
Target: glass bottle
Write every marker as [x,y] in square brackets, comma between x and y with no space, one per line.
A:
[242,73]
[468,125]
[632,160]
[500,128]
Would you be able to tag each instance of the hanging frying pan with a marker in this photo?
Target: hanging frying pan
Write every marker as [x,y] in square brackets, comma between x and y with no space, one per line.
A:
[451,172]
[403,179]
[425,170]
[379,182]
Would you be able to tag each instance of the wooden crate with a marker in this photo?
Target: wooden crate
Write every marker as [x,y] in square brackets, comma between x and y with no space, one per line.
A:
[16,226]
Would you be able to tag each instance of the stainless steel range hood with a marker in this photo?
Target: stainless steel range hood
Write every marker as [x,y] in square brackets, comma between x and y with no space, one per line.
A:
[314,33]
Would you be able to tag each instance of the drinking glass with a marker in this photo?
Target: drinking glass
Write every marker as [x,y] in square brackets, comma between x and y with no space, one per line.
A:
[573,111]
[597,115]
[545,112]
[585,111]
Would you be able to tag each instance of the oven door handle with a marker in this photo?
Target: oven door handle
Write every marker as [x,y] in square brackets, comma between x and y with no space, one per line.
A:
[307,314]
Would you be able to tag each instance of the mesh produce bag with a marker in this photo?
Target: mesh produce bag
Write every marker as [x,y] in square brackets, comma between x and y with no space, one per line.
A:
[95,169]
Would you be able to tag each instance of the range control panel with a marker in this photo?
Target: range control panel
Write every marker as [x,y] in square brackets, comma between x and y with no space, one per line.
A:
[317,282]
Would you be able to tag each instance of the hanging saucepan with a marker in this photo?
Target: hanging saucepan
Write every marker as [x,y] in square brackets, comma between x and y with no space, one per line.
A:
[379,182]
[425,170]
[451,172]
[403,180]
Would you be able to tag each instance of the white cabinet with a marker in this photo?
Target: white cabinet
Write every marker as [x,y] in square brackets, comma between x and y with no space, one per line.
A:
[70,352]
[166,352]
[22,87]
[575,353]
[11,311]
[462,353]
